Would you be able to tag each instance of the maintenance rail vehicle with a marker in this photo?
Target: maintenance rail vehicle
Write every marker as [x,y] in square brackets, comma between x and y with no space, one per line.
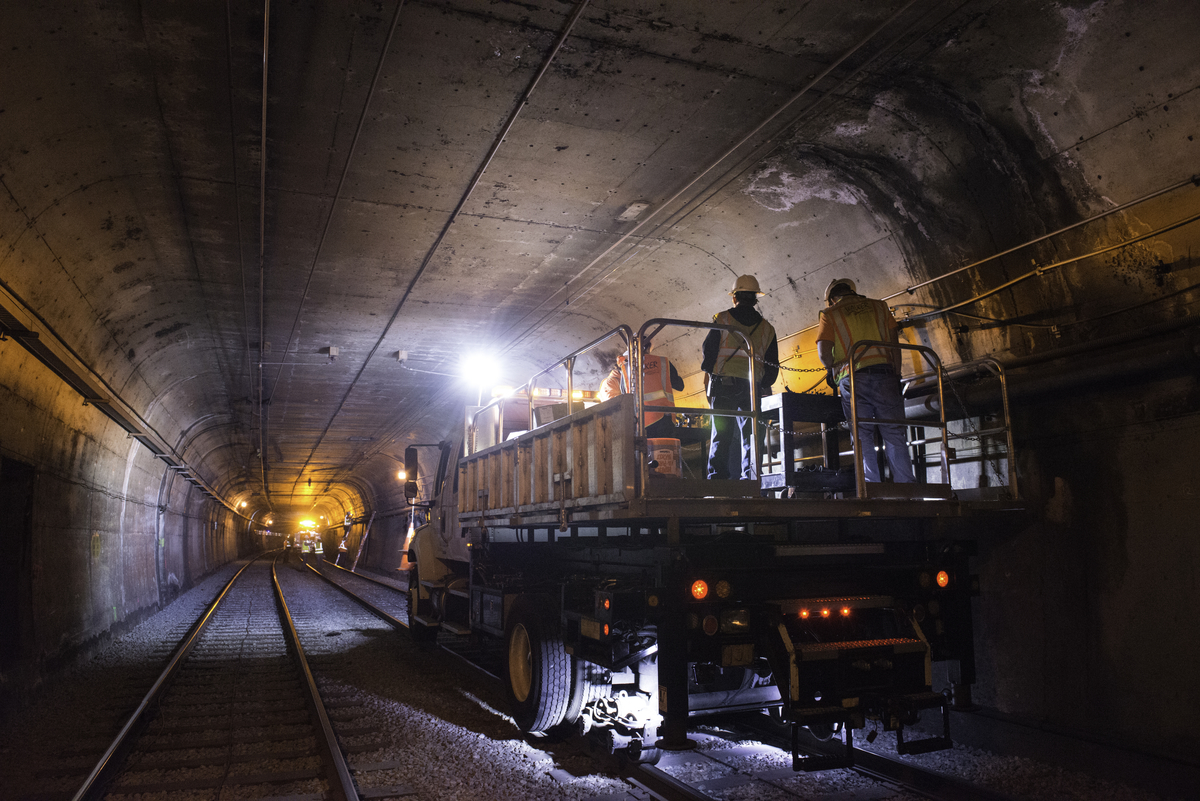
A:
[631,600]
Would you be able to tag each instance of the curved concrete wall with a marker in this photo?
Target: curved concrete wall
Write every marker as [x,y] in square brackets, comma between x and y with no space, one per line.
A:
[129,165]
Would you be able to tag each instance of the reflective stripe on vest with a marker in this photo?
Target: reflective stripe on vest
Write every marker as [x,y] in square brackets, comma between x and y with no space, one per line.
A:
[732,359]
[856,319]
[656,384]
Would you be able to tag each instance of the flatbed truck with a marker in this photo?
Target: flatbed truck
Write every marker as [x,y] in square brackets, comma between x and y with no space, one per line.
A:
[631,603]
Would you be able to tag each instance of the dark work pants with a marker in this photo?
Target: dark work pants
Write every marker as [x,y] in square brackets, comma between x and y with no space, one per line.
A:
[879,397]
[732,394]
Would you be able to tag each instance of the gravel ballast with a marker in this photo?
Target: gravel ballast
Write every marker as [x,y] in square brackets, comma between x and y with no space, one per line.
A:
[442,728]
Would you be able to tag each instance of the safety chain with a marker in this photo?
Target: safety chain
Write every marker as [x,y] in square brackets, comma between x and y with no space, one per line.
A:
[794,369]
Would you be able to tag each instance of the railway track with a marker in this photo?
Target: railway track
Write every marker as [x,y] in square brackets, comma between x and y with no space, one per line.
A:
[237,710]
[407,719]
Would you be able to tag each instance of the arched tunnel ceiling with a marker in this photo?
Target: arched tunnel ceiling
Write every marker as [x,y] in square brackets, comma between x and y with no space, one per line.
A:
[201,268]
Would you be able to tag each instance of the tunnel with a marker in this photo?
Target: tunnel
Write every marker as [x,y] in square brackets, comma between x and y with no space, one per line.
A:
[247,251]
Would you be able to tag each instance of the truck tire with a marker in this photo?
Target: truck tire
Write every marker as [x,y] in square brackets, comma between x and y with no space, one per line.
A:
[538,666]
[417,630]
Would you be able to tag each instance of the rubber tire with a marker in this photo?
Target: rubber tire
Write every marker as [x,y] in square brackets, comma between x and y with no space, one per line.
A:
[537,665]
[583,692]
[417,630]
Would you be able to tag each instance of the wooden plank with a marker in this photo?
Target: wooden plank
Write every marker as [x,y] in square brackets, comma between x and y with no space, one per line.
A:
[524,472]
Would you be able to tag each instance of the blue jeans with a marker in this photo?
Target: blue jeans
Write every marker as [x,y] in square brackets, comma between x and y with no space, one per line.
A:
[732,394]
[879,397]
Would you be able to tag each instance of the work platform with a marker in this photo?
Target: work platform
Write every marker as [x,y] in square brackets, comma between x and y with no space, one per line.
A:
[590,469]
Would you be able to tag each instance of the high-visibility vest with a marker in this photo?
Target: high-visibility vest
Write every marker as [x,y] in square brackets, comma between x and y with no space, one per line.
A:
[732,358]
[855,319]
[656,384]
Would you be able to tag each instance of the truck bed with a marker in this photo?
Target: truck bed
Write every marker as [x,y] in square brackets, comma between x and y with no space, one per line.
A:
[590,469]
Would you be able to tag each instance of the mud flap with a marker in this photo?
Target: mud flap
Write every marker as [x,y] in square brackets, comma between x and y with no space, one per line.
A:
[913,704]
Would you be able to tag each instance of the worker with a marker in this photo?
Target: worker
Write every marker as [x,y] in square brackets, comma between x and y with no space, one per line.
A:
[726,367]
[659,379]
[850,318]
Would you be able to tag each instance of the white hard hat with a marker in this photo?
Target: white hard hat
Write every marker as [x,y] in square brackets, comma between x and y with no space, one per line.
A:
[746,283]
[846,282]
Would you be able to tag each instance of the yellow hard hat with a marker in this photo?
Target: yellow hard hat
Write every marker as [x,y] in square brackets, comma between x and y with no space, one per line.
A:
[846,282]
[746,283]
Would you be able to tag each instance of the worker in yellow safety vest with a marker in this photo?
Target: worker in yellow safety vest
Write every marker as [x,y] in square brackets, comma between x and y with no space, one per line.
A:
[850,318]
[726,365]
[659,378]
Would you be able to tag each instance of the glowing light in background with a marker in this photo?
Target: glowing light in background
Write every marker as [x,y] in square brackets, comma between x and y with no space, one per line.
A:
[482,371]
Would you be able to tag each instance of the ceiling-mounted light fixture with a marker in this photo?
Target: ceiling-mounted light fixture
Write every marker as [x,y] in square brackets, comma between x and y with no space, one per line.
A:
[482,370]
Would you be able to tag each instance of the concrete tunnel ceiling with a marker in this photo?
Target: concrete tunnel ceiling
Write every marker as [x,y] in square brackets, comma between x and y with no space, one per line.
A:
[197,269]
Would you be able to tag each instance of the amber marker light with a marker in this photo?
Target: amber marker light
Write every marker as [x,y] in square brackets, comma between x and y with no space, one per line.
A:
[607,603]
[804,613]
[605,629]
[845,611]
[824,613]
[699,589]
[943,578]
[723,589]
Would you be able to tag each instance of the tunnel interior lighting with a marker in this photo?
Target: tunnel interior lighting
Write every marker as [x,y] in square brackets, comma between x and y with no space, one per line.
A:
[401,475]
[481,369]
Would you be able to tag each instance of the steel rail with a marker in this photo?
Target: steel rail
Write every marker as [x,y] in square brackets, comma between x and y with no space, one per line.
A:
[400,624]
[343,788]
[931,784]
[386,617]
[362,576]
[663,785]
[105,770]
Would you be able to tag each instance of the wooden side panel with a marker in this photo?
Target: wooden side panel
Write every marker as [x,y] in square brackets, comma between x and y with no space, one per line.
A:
[585,460]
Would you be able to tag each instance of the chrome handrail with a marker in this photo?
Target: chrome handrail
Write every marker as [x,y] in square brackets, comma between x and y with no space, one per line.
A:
[663,322]
[860,478]
[567,361]
[996,368]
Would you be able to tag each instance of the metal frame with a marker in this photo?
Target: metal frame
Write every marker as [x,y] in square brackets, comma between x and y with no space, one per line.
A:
[569,362]
[658,323]
[997,369]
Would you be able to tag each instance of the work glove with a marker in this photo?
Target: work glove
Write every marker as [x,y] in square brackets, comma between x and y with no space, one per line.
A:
[829,380]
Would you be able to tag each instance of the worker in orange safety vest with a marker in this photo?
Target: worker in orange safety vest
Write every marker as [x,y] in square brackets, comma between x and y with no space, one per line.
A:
[850,318]
[659,378]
